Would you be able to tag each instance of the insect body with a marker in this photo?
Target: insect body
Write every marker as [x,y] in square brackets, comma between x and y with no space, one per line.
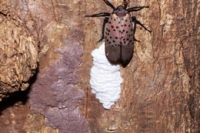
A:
[119,32]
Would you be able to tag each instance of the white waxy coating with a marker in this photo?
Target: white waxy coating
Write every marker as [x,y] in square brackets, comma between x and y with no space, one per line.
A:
[105,78]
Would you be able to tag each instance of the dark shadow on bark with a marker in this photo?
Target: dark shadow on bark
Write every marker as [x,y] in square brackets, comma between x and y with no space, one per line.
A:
[19,96]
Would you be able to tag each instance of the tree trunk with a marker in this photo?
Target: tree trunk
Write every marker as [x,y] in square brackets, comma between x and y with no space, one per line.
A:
[160,89]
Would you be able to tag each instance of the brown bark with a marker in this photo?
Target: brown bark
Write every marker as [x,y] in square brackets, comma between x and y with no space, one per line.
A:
[160,91]
[160,88]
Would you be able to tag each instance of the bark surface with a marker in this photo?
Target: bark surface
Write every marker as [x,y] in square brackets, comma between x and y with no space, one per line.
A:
[160,91]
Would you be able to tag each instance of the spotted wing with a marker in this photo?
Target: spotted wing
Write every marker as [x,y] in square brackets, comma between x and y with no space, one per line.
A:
[119,39]
[112,40]
[127,41]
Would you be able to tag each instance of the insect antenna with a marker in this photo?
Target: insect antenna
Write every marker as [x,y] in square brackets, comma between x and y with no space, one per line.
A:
[109,4]
[102,14]
[136,8]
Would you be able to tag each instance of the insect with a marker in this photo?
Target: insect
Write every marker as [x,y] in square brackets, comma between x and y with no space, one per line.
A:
[118,32]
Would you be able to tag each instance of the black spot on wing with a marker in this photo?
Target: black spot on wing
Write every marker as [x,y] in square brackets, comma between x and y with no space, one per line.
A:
[107,30]
[107,33]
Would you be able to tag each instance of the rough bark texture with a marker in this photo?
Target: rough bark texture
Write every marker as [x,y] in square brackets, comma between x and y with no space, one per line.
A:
[160,88]
[160,92]
[55,93]
[18,55]
[57,26]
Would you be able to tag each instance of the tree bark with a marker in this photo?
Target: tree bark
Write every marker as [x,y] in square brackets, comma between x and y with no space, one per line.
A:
[160,89]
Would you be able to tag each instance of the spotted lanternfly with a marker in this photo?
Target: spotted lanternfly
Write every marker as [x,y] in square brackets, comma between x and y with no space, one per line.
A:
[119,32]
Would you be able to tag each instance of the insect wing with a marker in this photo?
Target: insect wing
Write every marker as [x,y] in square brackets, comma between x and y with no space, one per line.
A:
[126,39]
[112,40]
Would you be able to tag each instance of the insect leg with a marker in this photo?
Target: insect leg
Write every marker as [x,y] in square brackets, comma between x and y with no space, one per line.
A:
[102,14]
[109,4]
[138,22]
[137,8]
[103,28]
[134,28]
